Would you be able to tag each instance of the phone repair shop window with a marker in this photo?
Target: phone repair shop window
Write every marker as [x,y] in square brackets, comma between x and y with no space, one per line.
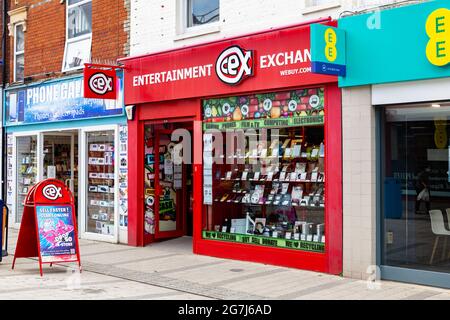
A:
[263,162]
[77,50]
[201,12]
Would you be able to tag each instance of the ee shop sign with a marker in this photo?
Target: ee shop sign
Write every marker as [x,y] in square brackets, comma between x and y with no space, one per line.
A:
[438,31]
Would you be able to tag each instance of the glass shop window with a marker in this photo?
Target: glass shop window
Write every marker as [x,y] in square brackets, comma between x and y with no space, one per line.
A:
[264,169]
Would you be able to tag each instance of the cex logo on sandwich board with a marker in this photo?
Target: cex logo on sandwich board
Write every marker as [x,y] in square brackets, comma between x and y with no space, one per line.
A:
[99,83]
[234,64]
[52,192]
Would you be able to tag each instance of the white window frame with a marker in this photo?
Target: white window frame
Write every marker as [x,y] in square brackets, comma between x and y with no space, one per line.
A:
[83,184]
[16,53]
[75,39]
[184,32]
[310,7]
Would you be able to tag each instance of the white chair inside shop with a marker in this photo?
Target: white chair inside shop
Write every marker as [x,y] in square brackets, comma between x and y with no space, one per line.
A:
[448,217]
[439,230]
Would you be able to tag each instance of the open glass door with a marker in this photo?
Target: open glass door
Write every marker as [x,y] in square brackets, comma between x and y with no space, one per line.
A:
[59,158]
[169,180]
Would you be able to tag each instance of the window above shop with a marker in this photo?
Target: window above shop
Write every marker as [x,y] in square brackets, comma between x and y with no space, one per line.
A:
[197,17]
[19,52]
[17,27]
[78,34]
[200,12]
[319,5]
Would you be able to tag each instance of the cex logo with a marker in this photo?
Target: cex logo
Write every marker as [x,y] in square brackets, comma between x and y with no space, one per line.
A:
[101,83]
[52,192]
[234,64]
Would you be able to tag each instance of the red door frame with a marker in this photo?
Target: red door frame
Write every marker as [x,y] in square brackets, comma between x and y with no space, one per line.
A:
[180,208]
[161,112]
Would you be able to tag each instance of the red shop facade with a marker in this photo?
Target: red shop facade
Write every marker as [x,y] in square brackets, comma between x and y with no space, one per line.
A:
[237,144]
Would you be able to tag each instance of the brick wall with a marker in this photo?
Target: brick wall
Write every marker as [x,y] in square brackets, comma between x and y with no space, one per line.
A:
[46,29]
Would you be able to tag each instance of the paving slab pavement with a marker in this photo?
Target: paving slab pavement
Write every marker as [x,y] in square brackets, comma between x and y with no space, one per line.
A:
[169,270]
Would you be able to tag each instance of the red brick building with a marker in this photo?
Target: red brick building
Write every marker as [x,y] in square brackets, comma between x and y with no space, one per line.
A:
[52,131]
[49,26]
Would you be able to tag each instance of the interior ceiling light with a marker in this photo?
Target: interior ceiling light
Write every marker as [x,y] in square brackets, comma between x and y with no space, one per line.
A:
[435,105]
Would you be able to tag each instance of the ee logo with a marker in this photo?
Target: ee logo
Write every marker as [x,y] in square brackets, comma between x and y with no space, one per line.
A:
[438,30]
[330,48]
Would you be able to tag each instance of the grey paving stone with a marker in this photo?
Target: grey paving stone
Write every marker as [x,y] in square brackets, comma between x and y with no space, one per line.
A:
[421,295]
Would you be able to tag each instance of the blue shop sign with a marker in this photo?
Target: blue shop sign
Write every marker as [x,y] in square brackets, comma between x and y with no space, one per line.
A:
[60,100]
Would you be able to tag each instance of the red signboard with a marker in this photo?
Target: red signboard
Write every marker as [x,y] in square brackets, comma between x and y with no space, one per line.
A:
[276,59]
[48,229]
[99,82]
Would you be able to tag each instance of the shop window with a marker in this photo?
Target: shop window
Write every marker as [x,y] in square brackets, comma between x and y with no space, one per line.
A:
[19,52]
[78,34]
[26,162]
[264,169]
[101,187]
[201,12]
[416,187]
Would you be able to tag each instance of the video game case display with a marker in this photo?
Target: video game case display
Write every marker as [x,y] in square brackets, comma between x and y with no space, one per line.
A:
[101,183]
[273,191]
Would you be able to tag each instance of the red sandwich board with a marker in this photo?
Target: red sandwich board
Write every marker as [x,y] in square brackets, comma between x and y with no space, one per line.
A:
[48,229]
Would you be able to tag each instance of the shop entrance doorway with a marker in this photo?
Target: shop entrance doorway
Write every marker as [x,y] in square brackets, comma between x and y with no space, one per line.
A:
[168,180]
[60,159]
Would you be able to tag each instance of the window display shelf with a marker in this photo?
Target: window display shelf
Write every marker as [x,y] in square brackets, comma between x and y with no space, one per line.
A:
[101,182]
[274,182]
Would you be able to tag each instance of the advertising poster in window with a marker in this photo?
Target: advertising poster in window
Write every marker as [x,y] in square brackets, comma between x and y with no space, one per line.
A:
[58,101]
[56,233]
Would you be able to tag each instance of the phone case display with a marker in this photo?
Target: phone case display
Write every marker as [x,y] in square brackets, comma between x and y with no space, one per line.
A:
[26,170]
[123,176]
[101,178]
[269,191]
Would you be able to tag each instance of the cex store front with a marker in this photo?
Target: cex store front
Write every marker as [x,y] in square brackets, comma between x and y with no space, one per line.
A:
[238,144]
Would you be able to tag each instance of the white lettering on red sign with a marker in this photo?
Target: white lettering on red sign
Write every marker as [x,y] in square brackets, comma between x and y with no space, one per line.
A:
[173,75]
[234,64]
[284,58]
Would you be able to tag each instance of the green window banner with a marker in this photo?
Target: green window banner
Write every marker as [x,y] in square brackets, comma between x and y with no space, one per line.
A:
[327,50]
[274,105]
[400,44]
[266,123]
[265,241]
